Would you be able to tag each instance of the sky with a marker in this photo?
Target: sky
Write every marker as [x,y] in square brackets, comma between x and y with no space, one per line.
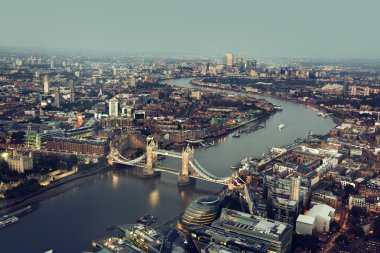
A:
[264,28]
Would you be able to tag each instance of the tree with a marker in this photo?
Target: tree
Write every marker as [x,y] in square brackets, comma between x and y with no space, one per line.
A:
[61,166]
[358,212]
[305,242]
[349,189]
[25,188]
[72,160]
[342,240]
[334,226]
[357,231]
[17,137]
[3,165]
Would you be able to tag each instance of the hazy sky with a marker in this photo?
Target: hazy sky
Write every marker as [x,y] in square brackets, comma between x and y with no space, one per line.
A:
[290,28]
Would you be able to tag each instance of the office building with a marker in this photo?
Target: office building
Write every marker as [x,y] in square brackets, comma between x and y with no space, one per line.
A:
[57,97]
[113,107]
[72,91]
[283,198]
[251,65]
[277,235]
[132,82]
[353,90]
[200,212]
[295,189]
[229,59]
[317,219]
[32,139]
[46,84]
[366,91]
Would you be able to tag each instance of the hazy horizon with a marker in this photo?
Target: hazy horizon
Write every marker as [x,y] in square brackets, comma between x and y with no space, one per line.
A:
[273,29]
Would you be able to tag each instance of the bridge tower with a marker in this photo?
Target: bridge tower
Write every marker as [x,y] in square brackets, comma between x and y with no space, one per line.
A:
[187,157]
[151,157]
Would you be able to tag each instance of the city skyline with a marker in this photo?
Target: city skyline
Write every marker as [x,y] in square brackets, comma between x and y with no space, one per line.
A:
[254,29]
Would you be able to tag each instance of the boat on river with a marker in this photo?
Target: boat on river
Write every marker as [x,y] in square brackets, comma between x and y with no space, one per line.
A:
[281,126]
[236,135]
[147,220]
[8,221]
[278,107]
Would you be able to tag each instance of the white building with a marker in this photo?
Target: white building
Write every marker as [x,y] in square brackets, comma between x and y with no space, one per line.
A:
[46,84]
[318,218]
[113,106]
[305,225]
[20,163]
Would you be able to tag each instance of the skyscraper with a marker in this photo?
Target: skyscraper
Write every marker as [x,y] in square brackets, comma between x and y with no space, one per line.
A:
[353,90]
[366,91]
[132,82]
[113,106]
[56,97]
[46,84]
[229,59]
[72,91]
[295,189]
[251,64]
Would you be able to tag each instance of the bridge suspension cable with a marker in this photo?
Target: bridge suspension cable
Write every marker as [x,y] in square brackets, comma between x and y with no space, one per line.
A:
[121,159]
[207,175]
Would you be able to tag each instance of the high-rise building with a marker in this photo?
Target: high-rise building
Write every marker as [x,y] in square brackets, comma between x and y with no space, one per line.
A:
[295,189]
[132,82]
[366,91]
[283,198]
[56,98]
[52,64]
[46,84]
[251,65]
[229,59]
[113,106]
[72,91]
[18,62]
[353,90]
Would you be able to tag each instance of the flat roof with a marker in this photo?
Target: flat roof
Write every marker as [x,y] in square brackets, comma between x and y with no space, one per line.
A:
[321,210]
[251,225]
[306,219]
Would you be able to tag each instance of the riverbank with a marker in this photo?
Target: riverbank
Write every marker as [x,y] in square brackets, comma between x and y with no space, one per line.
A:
[335,118]
[51,190]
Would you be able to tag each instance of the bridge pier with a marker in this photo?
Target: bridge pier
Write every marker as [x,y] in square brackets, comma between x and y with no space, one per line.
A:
[185,180]
[184,176]
[151,158]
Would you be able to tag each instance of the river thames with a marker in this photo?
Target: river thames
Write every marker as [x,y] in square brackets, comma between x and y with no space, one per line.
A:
[69,221]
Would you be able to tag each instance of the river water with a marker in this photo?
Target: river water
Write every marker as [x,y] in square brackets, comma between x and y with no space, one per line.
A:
[69,221]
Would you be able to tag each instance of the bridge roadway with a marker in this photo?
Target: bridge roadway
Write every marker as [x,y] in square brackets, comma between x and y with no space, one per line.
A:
[200,172]
[167,153]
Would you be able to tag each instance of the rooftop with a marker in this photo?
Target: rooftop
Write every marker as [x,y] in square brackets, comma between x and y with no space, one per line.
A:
[251,225]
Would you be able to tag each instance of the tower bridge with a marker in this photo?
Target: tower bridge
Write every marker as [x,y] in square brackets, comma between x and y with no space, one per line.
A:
[190,169]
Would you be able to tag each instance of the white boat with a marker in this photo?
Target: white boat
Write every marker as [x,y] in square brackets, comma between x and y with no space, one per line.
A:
[281,126]
[8,221]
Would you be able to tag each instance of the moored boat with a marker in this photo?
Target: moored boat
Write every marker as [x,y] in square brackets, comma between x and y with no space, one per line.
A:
[8,221]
